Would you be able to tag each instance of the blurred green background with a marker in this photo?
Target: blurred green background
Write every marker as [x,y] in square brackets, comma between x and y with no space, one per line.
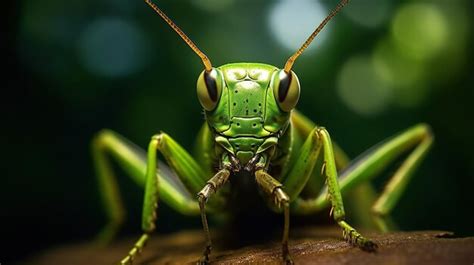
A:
[74,67]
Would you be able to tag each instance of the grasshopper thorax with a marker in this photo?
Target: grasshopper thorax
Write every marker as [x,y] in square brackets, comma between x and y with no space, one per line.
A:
[247,106]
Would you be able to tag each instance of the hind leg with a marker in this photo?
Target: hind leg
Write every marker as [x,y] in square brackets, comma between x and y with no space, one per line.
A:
[370,164]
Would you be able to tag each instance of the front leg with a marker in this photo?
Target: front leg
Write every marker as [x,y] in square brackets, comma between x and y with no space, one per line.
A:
[211,187]
[274,189]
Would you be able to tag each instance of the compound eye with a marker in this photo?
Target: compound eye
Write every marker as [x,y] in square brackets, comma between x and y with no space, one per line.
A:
[286,89]
[209,89]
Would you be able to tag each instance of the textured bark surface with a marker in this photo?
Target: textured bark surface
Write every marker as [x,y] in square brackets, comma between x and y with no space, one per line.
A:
[307,246]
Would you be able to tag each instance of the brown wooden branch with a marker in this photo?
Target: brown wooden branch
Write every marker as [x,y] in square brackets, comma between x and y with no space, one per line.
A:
[308,246]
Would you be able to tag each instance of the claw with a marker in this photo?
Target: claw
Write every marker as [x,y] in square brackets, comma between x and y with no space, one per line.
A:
[369,246]
[127,261]
[252,162]
[356,239]
[286,256]
[204,260]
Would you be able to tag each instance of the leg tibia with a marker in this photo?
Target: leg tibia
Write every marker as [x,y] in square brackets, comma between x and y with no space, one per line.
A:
[397,184]
[273,188]
[211,187]
[108,142]
[330,173]
[150,200]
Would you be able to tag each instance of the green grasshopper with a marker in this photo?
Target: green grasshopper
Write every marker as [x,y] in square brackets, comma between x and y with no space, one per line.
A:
[252,131]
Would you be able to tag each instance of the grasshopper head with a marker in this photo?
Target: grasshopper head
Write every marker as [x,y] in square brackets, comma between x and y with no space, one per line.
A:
[247,105]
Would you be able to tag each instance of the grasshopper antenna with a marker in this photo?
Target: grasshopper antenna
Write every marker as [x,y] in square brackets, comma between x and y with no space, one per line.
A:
[205,60]
[292,59]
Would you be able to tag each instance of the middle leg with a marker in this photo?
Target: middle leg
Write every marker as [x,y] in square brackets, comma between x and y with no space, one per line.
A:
[185,167]
[299,174]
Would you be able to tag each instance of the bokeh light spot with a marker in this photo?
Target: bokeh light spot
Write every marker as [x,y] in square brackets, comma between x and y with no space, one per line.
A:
[112,47]
[367,13]
[361,88]
[420,30]
[292,21]
[406,76]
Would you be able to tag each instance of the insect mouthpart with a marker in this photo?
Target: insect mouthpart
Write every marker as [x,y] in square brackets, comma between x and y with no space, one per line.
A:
[252,164]
[250,167]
